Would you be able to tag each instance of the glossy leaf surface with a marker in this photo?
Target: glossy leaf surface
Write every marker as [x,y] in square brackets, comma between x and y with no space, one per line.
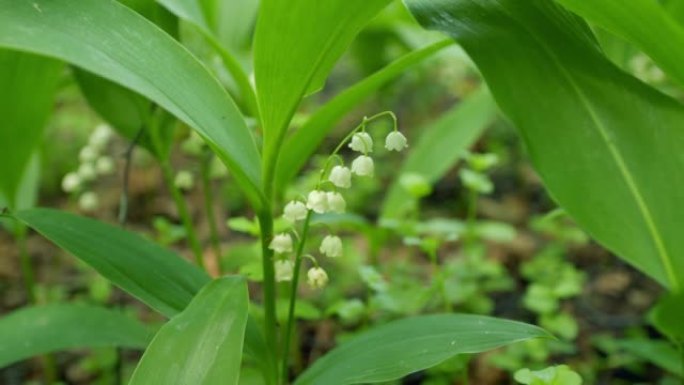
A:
[139,266]
[605,144]
[203,344]
[402,347]
[36,330]
[112,41]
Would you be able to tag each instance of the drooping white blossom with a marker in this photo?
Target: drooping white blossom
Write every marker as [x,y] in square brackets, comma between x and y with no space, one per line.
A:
[295,211]
[396,141]
[284,270]
[361,142]
[71,182]
[331,246]
[104,165]
[86,171]
[184,180]
[336,202]
[363,166]
[317,201]
[317,277]
[340,176]
[281,243]
[88,201]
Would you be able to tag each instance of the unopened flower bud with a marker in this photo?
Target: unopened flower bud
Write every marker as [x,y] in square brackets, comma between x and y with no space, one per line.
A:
[361,142]
[336,202]
[100,137]
[396,141]
[317,201]
[331,246]
[317,277]
[88,201]
[295,211]
[340,176]
[363,166]
[71,182]
[281,243]
[284,270]
[184,180]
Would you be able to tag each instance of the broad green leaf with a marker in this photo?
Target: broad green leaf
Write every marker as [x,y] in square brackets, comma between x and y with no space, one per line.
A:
[152,274]
[296,45]
[303,143]
[667,316]
[440,146]
[28,85]
[402,347]
[36,330]
[606,146]
[203,344]
[116,43]
[660,353]
[208,16]
[643,22]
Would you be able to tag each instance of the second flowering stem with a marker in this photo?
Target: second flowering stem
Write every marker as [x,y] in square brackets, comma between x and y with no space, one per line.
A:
[287,336]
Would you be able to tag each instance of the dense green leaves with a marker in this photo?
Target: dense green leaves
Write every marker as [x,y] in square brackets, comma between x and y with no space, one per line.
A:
[605,144]
[441,145]
[114,42]
[643,22]
[37,330]
[302,144]
[296,45]
[203,344]
[402,347]
[28,85]
[149,272]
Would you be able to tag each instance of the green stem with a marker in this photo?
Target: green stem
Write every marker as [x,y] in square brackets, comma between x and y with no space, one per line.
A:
[472,218]
[209,204]
[270,325]
[27,270]
[184,213]
[293,299]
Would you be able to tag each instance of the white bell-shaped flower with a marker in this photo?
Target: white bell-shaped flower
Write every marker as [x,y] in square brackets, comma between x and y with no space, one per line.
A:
[281,243]
[284,270]
[340,176]
[295,211]
[87,154]
[396,141]
[336,202]
[89,201]
[331,246]
[71,182]
[184,180]
[104,165]
[363,166]
[317,277]
[361,142]
[317,201]
[100,137]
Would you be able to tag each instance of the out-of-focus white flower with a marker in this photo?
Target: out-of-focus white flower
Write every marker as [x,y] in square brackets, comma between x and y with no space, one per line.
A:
[336,202]
[295,211]
[100,136]
[88,201]
[87,172]
[396,141]
[331,246]
[104,165]
[361,142]
[281,243]
[283,270]
[317,201]
[71,182]
[317,277]
[87,154]
[363,166]
[184,180]
[340,176]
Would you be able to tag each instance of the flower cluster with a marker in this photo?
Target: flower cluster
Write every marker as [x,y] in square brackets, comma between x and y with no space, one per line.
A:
[92,164]
[327,198]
